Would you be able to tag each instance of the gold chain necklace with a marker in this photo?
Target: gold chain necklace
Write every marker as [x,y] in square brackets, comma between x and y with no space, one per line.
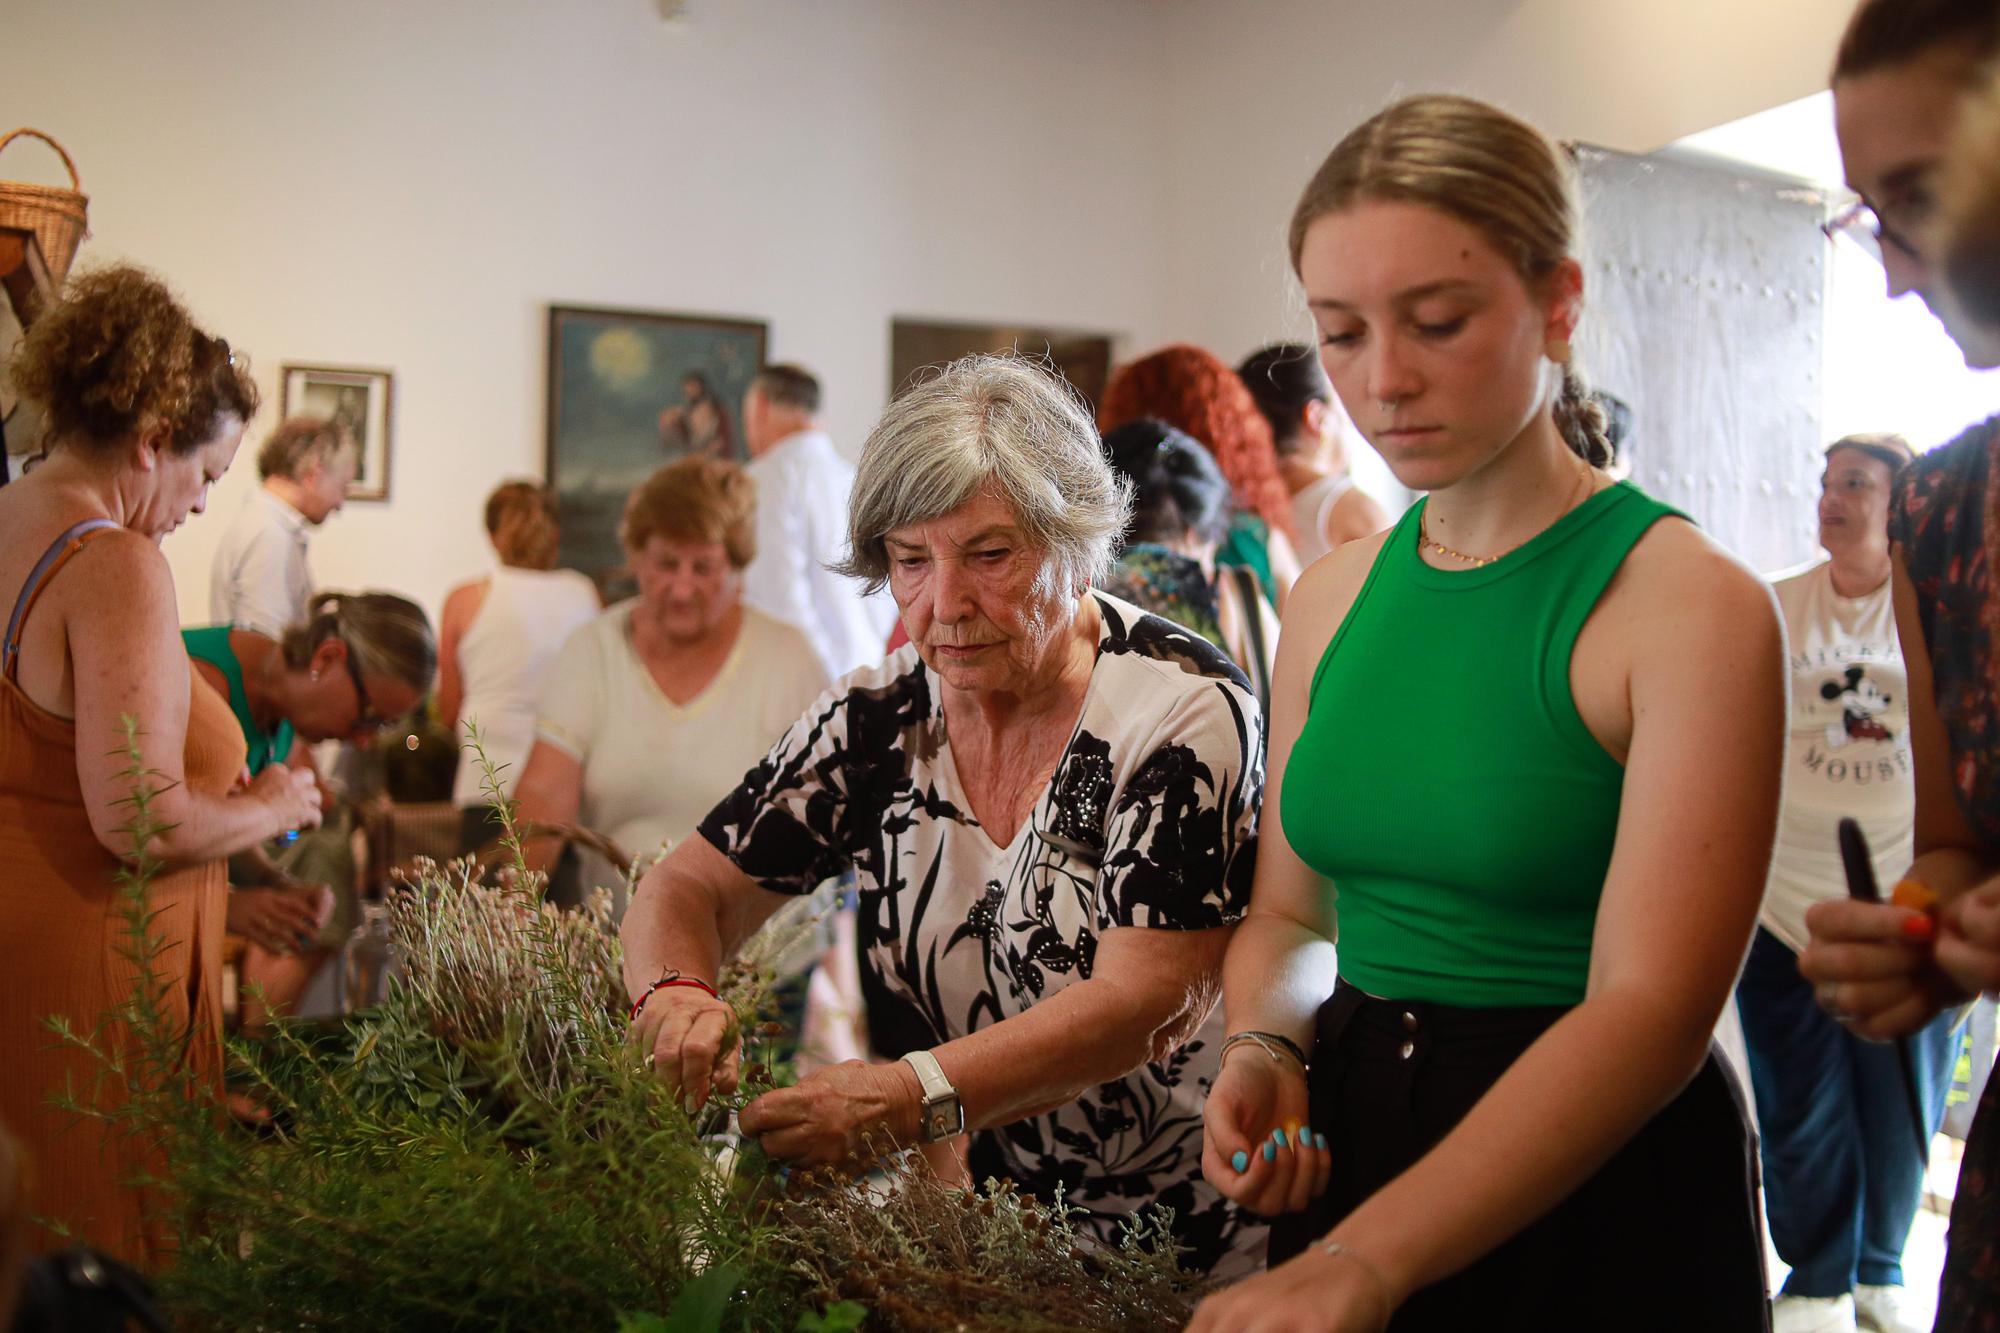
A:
[1426,543]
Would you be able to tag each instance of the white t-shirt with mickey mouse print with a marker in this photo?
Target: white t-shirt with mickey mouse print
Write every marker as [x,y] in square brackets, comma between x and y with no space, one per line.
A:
[1849,751]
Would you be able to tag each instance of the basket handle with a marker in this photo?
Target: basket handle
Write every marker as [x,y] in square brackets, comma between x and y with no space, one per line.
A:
[75,181]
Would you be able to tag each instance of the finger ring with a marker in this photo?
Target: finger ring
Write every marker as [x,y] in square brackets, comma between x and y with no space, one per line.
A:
[1828,995]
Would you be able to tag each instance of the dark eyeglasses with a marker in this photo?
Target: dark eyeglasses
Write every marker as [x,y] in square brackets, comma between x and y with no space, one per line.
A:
[369,719]
[1893,225]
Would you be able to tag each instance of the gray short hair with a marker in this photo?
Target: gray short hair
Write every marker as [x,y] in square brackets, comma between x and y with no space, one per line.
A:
[998,421]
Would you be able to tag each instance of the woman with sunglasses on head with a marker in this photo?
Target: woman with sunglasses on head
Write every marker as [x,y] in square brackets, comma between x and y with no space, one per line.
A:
[145,412]
[358,662]
[1900,87]
[1524,766]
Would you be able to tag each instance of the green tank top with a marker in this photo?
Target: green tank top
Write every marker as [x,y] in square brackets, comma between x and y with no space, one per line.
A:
[1444,781]
[211,644]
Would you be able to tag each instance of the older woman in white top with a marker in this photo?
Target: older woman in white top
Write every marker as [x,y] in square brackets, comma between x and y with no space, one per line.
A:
[656,708]
[499,636]
[1843,1171]
[1049,798]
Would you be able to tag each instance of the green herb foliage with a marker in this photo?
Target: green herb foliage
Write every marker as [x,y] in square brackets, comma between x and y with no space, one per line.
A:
[485,1150]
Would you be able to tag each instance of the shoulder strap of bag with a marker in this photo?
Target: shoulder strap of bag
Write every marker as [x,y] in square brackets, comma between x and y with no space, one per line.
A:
[1248,594]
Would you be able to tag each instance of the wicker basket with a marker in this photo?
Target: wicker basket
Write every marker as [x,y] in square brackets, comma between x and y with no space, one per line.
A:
[56,216]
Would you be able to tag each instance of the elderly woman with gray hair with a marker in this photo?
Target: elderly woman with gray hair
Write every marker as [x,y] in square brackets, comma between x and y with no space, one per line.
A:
[1050,799]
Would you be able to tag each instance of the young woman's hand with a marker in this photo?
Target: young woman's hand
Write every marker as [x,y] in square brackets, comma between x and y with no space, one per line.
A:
[1258,1148]
[1313,1292]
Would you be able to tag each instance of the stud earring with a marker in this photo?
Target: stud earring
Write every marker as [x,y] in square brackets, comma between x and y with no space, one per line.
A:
[1559,351]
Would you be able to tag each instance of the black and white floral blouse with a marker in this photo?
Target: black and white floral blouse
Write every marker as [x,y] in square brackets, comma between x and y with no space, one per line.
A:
[1150,820]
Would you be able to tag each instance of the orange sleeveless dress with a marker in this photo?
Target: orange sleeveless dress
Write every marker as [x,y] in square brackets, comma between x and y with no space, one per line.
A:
[61,933]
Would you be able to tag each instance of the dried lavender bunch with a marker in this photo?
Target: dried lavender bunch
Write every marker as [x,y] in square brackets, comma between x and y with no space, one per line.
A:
[924,1255]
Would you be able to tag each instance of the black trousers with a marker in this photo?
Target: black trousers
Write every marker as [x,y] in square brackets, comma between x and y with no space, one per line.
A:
[1665,1236]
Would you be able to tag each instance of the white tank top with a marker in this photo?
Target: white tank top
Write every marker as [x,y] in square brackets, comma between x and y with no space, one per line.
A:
[1310,508]
[527,616]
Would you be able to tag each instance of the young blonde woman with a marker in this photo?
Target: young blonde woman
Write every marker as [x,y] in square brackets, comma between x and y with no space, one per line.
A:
[1524,770]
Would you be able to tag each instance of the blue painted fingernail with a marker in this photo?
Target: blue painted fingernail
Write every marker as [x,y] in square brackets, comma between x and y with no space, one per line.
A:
[1321,1144]
[1241,1161]
[1270,1152]
[1278,1137]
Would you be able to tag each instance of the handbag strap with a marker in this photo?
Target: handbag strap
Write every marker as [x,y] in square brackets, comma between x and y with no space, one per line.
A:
[1249,594]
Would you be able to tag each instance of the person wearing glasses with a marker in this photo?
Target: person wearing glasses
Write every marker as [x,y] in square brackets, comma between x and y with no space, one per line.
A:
[145,411]
[355,664]
[1900,83]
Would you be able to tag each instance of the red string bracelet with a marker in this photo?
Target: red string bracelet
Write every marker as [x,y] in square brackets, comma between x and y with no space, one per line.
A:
[670,978]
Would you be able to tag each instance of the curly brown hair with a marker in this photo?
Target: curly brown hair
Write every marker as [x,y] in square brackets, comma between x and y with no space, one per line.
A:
[119,353]
[1193,391]
[696,499]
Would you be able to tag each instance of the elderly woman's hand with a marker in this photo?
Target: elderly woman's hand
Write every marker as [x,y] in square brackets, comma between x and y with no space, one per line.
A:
[1257,1115]
[689,1038]
[1968,946]
[840,1114]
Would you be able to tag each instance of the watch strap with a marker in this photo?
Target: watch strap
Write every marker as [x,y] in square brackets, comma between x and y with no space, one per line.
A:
[943,1114]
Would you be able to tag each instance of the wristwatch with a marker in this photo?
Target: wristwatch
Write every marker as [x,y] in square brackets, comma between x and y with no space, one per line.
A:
[943,1115]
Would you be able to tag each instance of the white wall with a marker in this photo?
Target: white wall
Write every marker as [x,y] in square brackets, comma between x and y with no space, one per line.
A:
[1264,88]
[410,184]
[1889,363]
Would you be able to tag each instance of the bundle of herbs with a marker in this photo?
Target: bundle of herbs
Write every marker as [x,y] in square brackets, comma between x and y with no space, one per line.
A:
[485,1150]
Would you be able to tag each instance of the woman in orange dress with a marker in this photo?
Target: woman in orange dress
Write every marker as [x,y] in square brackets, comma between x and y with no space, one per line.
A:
[145,411]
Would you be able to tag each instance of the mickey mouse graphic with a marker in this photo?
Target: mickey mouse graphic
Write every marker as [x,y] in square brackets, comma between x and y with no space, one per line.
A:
[1862,704]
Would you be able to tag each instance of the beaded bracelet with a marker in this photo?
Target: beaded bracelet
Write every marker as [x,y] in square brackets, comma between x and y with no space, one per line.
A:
[1266,1042]
[671,977]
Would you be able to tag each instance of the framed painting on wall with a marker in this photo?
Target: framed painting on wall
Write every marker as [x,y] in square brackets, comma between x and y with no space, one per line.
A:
[362,401]
[628,391]
[1084,359]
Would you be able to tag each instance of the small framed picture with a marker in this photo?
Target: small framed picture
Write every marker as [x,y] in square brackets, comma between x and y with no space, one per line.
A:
[359,399]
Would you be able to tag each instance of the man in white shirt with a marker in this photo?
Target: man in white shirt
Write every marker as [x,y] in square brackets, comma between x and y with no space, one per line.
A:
[259,579]
[802,485]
